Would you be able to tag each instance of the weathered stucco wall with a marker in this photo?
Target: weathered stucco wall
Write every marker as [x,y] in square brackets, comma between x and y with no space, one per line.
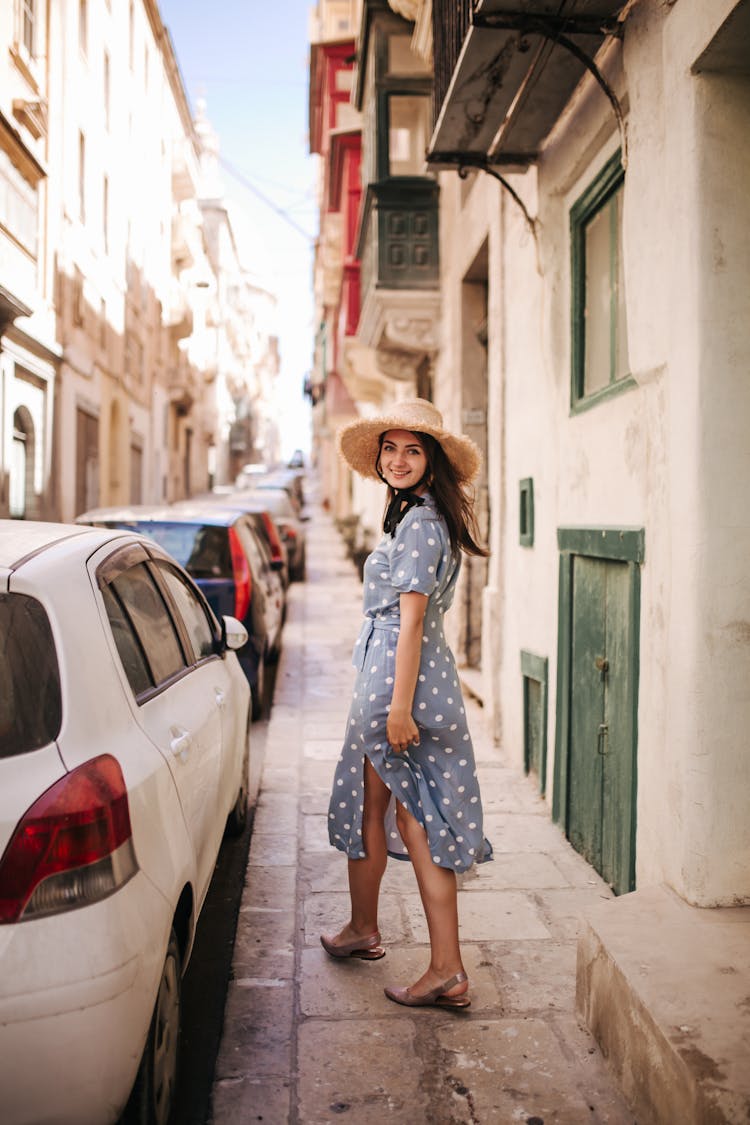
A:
[669,455]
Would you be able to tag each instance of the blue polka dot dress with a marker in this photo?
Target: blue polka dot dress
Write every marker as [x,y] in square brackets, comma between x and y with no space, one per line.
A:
[435,780]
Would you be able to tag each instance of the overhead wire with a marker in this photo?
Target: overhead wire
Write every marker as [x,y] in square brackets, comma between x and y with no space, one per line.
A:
[246,183]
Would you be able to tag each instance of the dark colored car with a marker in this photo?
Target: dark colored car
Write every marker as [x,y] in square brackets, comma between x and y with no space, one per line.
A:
[265,526]
[222,552]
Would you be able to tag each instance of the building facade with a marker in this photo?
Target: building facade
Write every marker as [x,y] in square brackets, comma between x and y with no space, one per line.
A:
[132,340]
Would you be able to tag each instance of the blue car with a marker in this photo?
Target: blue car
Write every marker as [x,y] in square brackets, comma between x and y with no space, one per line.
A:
[224,555]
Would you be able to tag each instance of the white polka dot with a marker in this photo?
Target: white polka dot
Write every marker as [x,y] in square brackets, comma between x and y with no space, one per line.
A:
[443,832]
[372,697]
[451,847]
[472,825]
[340,781]
[436,859]
[462,762]
[460,839]
[389,679]
[374,723]
[401,574]
[434,691]
[415,554]
[394,835]
[472,851]
[347,826]
[415,525]
[404,784]
[331,816]
[422,706]
[342,804]
[428,817]
[430,569]
[352,769]
[372,585]
[385,575]
[446,801]
[438,718]
[450,698]
[462,788]
[374,668]
[446,774]
[431,542]
[474,800]
[401,546]
[430,757]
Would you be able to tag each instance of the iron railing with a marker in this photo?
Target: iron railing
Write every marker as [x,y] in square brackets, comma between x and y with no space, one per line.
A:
[451,20]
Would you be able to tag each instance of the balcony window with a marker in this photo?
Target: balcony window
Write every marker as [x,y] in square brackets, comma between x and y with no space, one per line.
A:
[28,19]
[600,361]
[408,134]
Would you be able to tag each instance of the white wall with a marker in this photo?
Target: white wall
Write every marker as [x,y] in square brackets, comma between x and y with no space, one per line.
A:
[669,455]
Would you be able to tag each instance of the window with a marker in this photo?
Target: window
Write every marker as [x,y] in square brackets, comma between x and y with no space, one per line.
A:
[28,19]
[82,177]
[526,512]
[143,629]
[19,203]
[193,611]
[106,85]
[408,134]
[83,25]
[105,214]
[30,696]
[599,322]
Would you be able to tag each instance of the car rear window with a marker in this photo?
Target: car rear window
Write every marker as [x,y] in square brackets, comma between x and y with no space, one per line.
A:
[201,548]
[30,697]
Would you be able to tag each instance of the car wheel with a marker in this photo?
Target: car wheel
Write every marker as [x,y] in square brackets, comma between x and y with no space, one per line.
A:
[259,691]
[237,819]
[153,1095]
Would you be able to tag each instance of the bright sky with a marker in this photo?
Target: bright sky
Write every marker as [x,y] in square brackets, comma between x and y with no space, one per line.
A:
[249,60]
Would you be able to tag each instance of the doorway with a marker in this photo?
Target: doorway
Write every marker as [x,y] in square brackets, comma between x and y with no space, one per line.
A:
[598,660]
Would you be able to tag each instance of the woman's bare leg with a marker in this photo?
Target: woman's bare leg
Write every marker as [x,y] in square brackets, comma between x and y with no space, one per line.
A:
[437,889]
[365,875]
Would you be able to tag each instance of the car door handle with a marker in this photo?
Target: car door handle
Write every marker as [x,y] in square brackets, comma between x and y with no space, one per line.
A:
[220,697]
[180,742]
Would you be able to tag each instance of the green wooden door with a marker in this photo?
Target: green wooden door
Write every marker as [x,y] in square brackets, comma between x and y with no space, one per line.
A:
[601,767]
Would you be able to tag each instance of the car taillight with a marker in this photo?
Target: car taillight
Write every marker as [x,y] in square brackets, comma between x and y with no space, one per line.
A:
[73,847]
[243,580]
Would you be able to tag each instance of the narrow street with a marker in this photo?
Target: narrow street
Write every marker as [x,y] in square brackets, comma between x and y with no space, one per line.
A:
[307,1040]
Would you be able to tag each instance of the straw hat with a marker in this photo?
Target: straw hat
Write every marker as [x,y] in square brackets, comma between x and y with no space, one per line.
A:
[359,442]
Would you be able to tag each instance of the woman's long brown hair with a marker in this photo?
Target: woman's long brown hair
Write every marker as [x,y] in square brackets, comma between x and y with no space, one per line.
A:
[451,498]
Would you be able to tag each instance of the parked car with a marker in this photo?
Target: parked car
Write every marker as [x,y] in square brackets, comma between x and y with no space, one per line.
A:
[292,528]
[289,479]
[220,550]
[265,525]
[123,757]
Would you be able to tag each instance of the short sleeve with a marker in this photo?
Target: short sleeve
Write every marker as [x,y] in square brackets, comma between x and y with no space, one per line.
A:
[416,554]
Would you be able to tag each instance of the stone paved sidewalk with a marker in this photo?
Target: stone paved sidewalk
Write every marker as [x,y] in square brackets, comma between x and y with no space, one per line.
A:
[309,1041]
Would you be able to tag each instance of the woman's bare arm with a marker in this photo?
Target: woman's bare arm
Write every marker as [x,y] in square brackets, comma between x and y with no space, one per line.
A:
[401,729]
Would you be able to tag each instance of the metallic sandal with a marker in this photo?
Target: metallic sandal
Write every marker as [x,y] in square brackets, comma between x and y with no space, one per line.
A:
[367,949]
[433,999]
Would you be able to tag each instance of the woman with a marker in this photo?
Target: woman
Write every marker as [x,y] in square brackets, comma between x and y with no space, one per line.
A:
[405,783]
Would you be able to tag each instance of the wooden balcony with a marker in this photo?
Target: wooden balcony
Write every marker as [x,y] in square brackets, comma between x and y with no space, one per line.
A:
[504,71]
[398,236]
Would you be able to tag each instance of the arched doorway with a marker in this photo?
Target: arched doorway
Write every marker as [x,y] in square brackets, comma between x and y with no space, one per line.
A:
[22,466]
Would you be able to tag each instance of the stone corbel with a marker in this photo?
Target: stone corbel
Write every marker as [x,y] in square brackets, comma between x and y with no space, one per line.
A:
[399,365]
[33,115]
[410,333]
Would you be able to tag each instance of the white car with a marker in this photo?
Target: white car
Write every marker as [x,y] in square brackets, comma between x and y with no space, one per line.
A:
[124,721]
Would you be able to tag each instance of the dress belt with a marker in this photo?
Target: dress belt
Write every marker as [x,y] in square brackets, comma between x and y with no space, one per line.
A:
[368,627]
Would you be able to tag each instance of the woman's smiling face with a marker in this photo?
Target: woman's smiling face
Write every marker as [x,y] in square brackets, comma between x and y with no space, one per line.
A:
[403,461]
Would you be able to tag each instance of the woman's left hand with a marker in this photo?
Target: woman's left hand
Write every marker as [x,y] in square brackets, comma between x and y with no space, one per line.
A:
[401,730]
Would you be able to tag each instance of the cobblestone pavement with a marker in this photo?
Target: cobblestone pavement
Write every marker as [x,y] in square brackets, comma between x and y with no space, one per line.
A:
[309,1041]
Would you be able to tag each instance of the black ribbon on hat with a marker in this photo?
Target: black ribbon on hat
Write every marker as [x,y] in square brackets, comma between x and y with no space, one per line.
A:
[403,501]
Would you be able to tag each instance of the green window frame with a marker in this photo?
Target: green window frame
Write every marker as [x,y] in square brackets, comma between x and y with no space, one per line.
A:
[599,361]
[526,512]
[535,671]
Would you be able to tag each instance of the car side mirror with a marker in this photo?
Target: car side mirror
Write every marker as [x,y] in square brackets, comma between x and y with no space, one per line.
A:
[234,632]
